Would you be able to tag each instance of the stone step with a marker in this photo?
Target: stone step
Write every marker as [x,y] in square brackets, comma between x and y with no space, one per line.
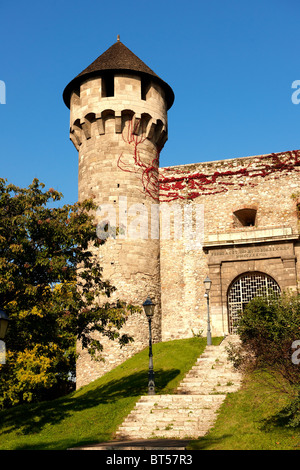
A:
[172,434]
[216,391]
[157,418]
[204,388]
[211,365]
[168,430]
[176,412]
[153,399]
[179,410]
[165,424]
[181,406]
[208,383]
[209,378]
[201,409]
[171,421]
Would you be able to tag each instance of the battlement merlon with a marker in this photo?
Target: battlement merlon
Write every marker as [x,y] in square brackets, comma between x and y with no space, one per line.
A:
[143,125]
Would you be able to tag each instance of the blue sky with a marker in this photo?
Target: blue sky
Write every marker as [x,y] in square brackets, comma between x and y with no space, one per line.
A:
[230,63]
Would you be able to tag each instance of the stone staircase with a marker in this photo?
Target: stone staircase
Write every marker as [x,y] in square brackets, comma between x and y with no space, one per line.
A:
[192,410]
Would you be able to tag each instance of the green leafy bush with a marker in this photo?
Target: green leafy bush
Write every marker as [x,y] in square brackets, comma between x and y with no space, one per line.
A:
[269,330]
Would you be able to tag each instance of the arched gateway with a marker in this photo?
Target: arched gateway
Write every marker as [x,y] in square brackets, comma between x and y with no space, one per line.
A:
[243,289]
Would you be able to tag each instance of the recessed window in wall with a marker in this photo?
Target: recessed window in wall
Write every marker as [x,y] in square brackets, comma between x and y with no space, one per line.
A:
[76,97]
[108,85]
[245,217]
[145,86]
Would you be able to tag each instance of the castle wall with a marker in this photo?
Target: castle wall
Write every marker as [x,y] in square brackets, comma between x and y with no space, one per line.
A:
[213,243]
[263,183]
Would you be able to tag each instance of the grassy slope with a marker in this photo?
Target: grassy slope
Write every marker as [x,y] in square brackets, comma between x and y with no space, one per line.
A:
[247,420]
[94,412]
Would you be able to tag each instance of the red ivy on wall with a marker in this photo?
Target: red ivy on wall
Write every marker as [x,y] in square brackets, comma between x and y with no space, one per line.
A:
[147,173]
[184,185]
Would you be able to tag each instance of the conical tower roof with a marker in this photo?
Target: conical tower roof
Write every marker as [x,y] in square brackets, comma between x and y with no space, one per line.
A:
[117,58]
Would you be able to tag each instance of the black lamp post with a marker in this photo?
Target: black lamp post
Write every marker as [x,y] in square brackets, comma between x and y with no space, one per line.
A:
[3,324]
[149,311]
[207,285]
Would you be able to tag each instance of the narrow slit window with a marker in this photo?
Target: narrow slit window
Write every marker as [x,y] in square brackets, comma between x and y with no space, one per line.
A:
[145,86]
[108,86]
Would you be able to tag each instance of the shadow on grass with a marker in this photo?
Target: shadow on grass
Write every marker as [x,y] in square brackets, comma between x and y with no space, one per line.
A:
[206,442]
[60,445]
[287,417]
[29,419]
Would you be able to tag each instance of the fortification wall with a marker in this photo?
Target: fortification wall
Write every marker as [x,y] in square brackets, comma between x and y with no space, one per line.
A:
[265,184]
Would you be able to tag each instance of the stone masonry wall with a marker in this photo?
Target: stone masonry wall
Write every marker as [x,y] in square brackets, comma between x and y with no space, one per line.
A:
[264,183]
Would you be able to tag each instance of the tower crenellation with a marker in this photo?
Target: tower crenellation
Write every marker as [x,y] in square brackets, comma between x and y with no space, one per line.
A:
[89,108]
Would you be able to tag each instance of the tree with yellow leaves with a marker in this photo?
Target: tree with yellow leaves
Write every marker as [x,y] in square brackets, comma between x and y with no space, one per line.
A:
[51,287]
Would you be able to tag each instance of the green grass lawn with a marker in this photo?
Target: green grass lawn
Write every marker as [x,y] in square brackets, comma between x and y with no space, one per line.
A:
[248,420]
[94,412]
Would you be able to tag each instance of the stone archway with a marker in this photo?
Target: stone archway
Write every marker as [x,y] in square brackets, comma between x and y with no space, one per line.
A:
[243,289]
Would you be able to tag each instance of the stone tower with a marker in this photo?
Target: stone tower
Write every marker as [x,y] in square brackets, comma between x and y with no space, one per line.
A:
[118,124]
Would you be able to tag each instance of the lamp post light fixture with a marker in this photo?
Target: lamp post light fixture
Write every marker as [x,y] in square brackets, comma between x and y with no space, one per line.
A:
[207,285]
[3,324]
[149,311]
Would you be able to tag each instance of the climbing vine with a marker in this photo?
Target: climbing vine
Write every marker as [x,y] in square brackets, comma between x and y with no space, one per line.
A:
[135,136]
[183,185]
[175,183]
